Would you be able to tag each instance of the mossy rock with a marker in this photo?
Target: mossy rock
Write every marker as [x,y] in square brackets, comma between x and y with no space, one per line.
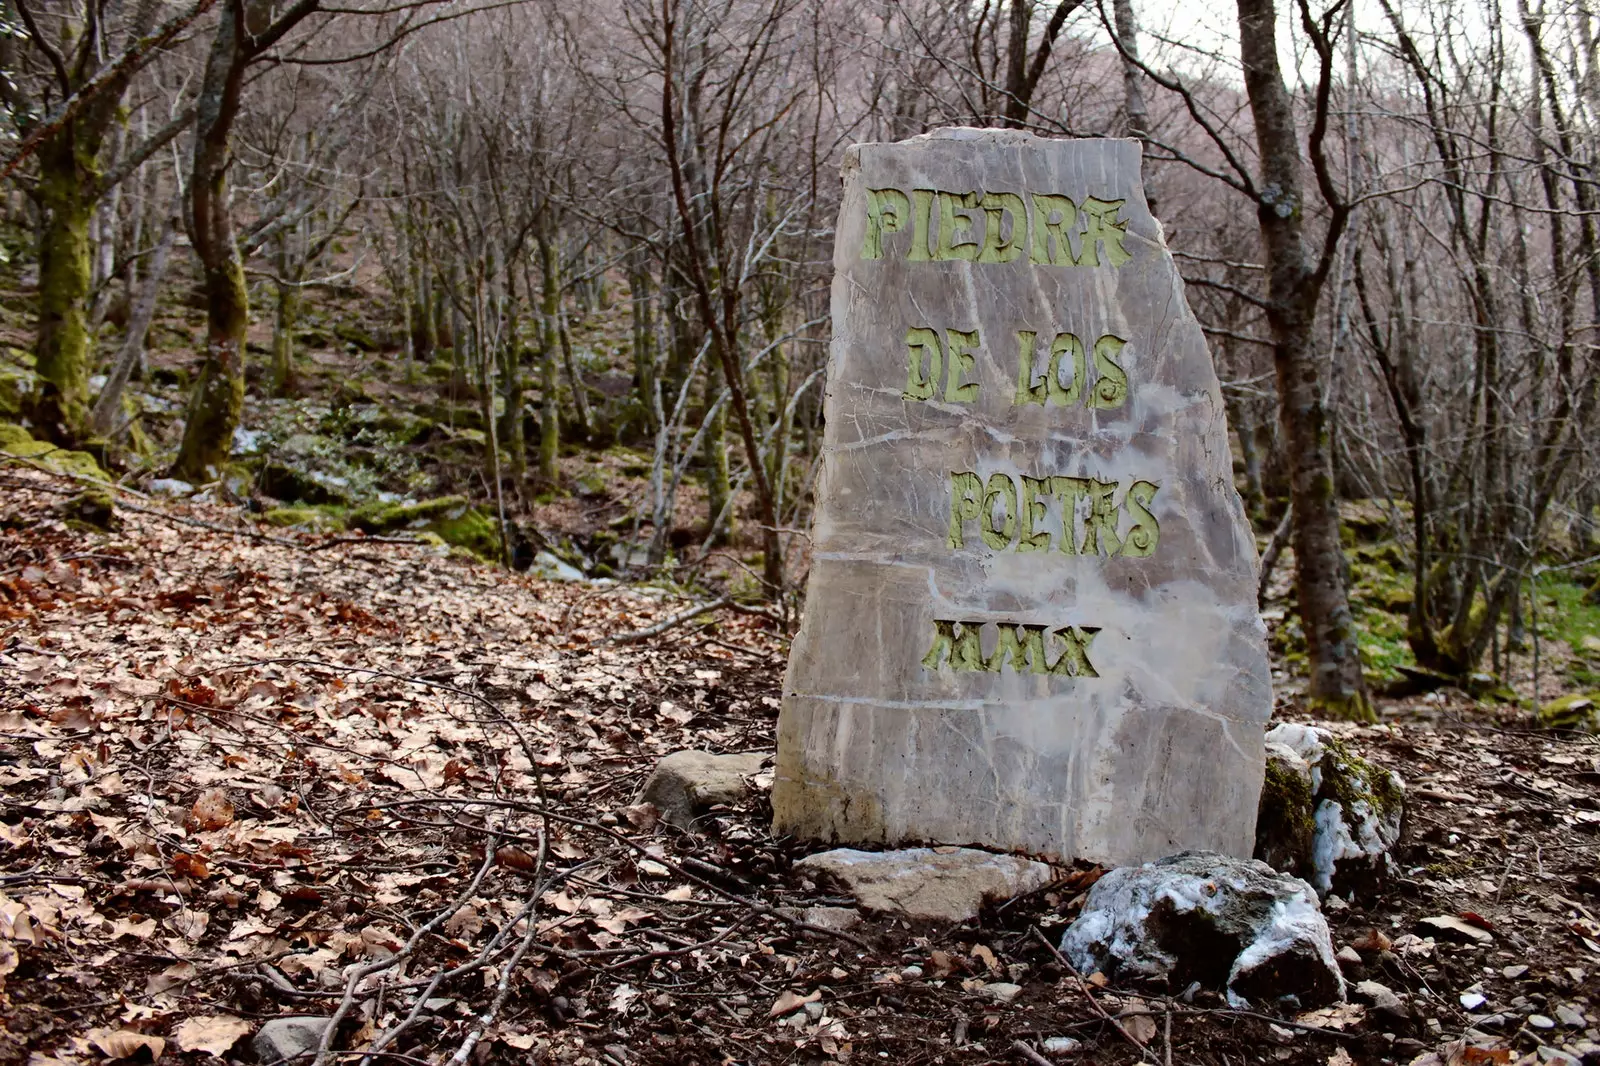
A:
[1357,815]
[14,440]
[14,388]
[357,337]
[1575,711]
[92,510]
[1286,827]
[292,485]
[316,519]
[451,518]
[1396,600]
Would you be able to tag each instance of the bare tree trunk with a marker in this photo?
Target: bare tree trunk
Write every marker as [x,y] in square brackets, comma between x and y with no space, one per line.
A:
[1337,686]
[1137,116]
[104,416]
[549,372]
[284,320]
[218,398]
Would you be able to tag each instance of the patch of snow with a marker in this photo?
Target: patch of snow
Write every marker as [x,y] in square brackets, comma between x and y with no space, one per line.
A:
[249,441]
[170,487]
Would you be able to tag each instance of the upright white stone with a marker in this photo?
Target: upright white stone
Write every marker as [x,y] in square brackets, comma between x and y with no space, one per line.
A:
[1031,619]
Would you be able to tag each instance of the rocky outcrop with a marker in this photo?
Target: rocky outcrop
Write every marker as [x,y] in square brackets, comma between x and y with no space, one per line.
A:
[1234,925]
[926,884]
[1327,814]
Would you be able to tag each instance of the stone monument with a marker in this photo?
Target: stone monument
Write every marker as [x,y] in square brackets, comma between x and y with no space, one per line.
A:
[1031,620]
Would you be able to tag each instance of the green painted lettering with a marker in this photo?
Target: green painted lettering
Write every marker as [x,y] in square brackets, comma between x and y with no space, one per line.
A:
[920,340]
[921,225]
[1102,229]
[1000,490]
[1074,658]
[1027,390]
[887,212]
[1100,531]
[1142,539]
[966,503]
[1111,381]
[1033,538]
[958,360]
[1069,490]
[955,227]
[1068,395]
[996,206]
[1053,216]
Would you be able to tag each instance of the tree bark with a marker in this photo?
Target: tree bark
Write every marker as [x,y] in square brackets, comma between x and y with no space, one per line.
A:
[284,322]
[218,398]
[549,365]
[1337,687]
[59,408]
[103,418]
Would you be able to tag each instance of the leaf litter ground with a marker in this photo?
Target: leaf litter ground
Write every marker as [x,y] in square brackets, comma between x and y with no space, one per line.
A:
[244,776]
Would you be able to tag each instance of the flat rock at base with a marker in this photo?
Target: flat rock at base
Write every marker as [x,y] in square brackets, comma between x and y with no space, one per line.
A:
[1031,617]
[286,1039]
[926,884]
[688,783]
[1234,925]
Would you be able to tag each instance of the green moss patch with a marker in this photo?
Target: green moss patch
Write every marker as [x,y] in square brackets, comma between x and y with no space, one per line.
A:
[1579,711]
[451,518]
[14,440]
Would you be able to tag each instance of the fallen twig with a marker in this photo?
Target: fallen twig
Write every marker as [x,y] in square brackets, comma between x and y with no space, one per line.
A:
[636,635]
[1022,1048]
[1083,986]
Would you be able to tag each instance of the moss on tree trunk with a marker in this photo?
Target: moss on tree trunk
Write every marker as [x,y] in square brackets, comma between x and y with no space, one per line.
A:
[60,407]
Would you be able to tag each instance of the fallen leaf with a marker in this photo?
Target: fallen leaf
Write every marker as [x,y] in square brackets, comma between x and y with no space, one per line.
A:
[212,1033]
[985,956]
[1340,1016]
[789,1001]
[1141,1026]
[623,998]
[464,922]
[1340,1057]
[125,1043]
[213,810]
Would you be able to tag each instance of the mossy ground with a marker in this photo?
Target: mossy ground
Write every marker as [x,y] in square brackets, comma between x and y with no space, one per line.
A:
[18,442]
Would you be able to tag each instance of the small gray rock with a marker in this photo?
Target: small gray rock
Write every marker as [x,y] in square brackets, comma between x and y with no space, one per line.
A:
[1061,1045]
[688,783]
[1570,1017]
[926,884]
[1002,991]
[839,919]
[1232,924]
[1558,1057]
[283,1039]
[1379,997]
[1540,1021]
[1348,957]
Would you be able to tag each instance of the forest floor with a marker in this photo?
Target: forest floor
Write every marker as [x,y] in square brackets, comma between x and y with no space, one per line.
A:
[250,773]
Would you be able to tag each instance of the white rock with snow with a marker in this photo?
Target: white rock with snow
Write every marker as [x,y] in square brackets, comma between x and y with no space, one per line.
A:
[1235,925]
[1357,809]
